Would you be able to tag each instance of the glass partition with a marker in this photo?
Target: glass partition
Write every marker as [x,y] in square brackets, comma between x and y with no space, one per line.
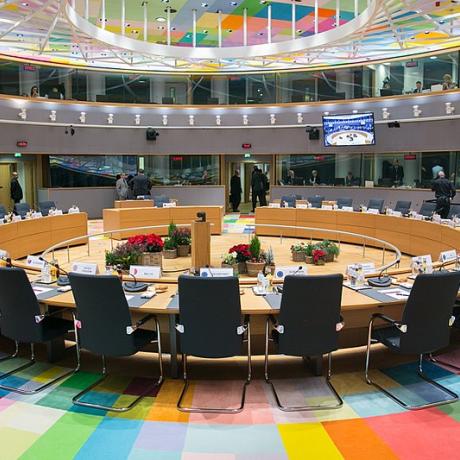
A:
[433,73]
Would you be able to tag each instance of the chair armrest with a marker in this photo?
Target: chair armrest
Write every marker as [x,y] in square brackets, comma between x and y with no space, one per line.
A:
[40,318]
[402,327]
[131,329]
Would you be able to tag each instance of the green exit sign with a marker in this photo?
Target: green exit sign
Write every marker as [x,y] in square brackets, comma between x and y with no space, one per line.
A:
[247,155]
[17,155]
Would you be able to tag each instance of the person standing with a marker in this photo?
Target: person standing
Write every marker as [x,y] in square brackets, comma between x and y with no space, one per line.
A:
[121,187]
[444,192]
[314,178]
[235,191]
[258,188]
[418,87]
[16,189]
[140,184]
[397,173]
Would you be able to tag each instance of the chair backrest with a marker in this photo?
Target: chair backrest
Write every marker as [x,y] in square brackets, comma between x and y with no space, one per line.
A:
[316,200]
[454,211]
[2,211]
[18,307]
[341,202]
[427,209]
[21,209]
[403,206]
[310,311]
[376,204]
[289,199]
[103,312]
[45,206]
[159,200]
[210,311]
[428,311]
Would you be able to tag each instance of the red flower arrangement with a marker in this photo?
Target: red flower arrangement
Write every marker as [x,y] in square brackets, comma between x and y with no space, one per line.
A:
[147,243]
[242,252]
[318,254]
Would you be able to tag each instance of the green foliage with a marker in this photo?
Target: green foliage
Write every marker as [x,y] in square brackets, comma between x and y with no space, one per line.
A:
[269,256]
[170,243]
[182,236]
[330,247]
[171,229]
[255,248]
[124,254]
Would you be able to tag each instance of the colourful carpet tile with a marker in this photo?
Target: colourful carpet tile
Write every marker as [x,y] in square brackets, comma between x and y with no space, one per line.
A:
[239,223]
[368,426]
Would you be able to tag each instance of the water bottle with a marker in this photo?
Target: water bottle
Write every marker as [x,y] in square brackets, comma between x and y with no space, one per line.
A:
[260,281]
[46,273]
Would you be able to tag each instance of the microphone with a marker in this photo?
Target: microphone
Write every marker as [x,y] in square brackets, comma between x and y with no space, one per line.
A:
[379,281]
[279,288]
[130,286]
[61,280]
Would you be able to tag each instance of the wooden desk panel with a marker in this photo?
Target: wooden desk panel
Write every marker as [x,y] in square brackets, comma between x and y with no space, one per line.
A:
[142,217]
[35,235]
[123,204]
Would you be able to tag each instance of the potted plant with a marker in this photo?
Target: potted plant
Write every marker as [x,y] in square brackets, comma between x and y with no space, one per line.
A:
[256,263]
[124,255]
[332,250]
[242,256]
[230,261]
[182,236]
[170,248]
[309,248]
[319,256]
[298,252]
[270,261]
[151,248]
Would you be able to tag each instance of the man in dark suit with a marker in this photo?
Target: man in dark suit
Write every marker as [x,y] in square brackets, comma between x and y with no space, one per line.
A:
[235,191]
[16,189]
[140,184]
[258,186]
[444,191]
[397,173]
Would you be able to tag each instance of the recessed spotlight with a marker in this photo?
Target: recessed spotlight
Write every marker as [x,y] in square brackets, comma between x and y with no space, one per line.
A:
[229,31]
[260,33]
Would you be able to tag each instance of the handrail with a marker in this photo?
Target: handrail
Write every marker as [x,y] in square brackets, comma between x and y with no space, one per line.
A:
[366,238]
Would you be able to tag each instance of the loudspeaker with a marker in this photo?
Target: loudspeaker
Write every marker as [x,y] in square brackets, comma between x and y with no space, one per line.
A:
[151,134]
[313,134]
[394,124]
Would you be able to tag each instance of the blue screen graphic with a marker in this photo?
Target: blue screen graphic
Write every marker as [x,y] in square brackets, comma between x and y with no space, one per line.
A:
[349,129]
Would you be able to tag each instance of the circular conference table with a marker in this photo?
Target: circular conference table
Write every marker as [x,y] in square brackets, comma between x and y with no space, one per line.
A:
[412,236]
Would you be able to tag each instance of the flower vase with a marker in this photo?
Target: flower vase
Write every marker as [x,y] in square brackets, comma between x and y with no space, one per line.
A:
[242,267]
[298,256]
[255,267]
[234,267]
[170,253]
[151,259]
[183,250]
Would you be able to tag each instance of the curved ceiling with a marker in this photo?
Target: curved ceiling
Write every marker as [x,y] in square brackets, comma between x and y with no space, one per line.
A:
[224,36]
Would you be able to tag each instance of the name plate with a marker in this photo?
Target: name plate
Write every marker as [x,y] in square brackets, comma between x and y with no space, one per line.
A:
[74,210]
[436,218]
[16,218]
[58,212]
[169,205]
[4,254]
[215,272]
[35,262]
[274,205]
[418,216]
[367,268]
[347,208]
[144,271]
[285,270]
[447,256]
[372,211]
[36,215]
[84,268]
[327,207]
[423,264]
[396,213]
[302,206]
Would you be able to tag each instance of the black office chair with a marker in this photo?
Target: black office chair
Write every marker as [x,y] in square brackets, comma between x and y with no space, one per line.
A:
[21,209]
[424,328]
[211,326]
[403,207]
[341,202]
[104,327]
[45,206]
[22,321]
[307,325]
[454,211]
[376,204]
[288,201]
[427,209]
[316,201]
[3,211]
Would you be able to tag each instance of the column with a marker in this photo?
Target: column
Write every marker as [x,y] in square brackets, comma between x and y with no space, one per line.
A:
[157,88]
[95,85]
[219,89]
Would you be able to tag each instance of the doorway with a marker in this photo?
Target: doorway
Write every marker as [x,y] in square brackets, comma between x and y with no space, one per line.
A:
[245,166]
[5,178]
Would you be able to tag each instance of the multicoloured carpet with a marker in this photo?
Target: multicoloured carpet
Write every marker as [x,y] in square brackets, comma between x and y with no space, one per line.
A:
[239,223]
[368,426]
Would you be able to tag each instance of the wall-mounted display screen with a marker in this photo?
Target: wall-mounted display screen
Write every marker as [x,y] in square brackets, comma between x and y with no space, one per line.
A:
[349,129]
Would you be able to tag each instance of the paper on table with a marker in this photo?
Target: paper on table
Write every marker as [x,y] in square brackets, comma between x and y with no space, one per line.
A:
[396,293]
[41,290]
[129,297]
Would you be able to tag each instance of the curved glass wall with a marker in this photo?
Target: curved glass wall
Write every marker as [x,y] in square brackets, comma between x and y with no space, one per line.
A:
[376,80]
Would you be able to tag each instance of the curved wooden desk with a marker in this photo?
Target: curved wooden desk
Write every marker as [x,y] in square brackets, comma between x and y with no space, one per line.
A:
[121,218]
[413,237]
[35,235]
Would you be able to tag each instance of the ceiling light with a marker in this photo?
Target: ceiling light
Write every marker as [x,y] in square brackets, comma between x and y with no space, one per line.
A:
[160,19]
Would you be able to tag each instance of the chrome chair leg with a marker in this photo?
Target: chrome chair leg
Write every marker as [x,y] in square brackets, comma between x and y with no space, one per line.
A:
[77,398]
[339,401]
[30,363]
[216,410]
[453,396]
[14,355]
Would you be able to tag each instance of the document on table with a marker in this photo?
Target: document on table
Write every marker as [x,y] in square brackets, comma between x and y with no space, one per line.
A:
[396,293]
[41,290]
[128,297]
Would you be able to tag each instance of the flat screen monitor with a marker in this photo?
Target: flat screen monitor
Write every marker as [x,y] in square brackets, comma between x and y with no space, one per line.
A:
[349,129]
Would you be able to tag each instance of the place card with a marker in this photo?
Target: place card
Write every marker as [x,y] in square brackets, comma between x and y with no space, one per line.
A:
[284,270]
[35,262]
[146,272]
[84,268]
[216,272]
